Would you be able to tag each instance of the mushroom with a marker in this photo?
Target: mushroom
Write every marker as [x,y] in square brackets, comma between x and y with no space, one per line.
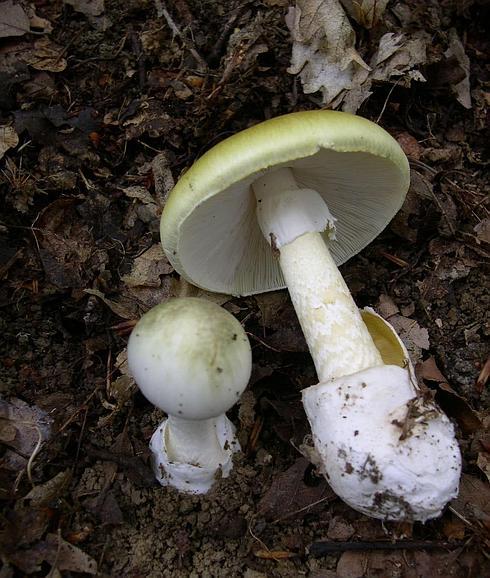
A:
[281,204]
[384,446]
[192,359]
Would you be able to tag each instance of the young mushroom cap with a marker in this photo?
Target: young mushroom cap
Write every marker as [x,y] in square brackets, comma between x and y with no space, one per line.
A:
[209,227]
[190,357]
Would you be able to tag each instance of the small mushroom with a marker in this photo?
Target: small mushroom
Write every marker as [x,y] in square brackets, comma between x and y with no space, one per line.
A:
[281,204]
[192,359]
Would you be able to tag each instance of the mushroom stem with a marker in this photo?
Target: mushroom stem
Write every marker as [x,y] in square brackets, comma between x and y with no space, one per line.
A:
[337,337]
[292,217]
[194,441]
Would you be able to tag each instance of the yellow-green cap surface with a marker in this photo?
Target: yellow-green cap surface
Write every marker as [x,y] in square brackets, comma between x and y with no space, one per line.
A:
[209,230]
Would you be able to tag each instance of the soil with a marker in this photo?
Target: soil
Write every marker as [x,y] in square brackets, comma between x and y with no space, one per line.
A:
[104,127]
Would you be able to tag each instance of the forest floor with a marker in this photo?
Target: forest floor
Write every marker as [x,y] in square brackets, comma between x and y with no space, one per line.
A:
[102,106]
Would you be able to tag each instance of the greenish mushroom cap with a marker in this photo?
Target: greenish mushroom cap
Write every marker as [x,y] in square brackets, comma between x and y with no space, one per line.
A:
[190,357]
[209,229]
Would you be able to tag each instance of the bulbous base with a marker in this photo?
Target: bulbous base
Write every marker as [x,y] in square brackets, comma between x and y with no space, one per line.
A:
[386,450]
[190,478]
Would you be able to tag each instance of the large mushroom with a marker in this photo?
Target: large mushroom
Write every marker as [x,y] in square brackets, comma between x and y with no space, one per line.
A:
[281,204]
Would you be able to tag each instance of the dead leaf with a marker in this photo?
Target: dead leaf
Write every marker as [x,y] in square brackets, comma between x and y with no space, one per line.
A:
[410,145]
[23,427]
[148,267]
[352,564]
[13,20]
[87,7]
[367,13]
[66,246]
[473,501]
[450,401]
[453,527]
[45,55]
[122,388]
[456,50]
[325,57]
[53,489]
[23,526]
[387,307]
[290,496]
[340,529]
[414,337]
[57,552]
[37,23]
[482,230]
[123,307]
[483,462]
[323,52]
[8,139]
[483,376]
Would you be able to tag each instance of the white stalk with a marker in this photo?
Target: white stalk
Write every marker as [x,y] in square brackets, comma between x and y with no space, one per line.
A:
[291,218]
[194,442]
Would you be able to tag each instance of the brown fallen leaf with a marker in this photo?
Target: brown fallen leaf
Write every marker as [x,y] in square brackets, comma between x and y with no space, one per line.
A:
[367,13]
[13,21]
[57,552]
[450,401]
[289,495]
[323,53]
[87,7]
[414,337]
[8,139]
[53,489]
[67,246]
[146,281]
[473,501]
[456,50]
[483,376]
[23,427]
[44,54]
[122,307]
[453,527]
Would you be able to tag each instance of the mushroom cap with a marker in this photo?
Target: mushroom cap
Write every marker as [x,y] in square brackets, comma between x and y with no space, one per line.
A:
[209,228]
[190,357]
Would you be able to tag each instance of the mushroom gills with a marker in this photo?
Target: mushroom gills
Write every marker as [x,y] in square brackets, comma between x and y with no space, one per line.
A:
[292,220]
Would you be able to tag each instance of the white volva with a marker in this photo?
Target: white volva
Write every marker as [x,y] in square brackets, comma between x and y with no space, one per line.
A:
[192,359]
[385,450]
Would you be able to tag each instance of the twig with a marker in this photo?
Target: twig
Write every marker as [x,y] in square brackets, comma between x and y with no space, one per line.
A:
[290,514]
[318,549]
[162,11]
[386,101]
[215,51]
[35,451]
[56,558]
[262,342]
